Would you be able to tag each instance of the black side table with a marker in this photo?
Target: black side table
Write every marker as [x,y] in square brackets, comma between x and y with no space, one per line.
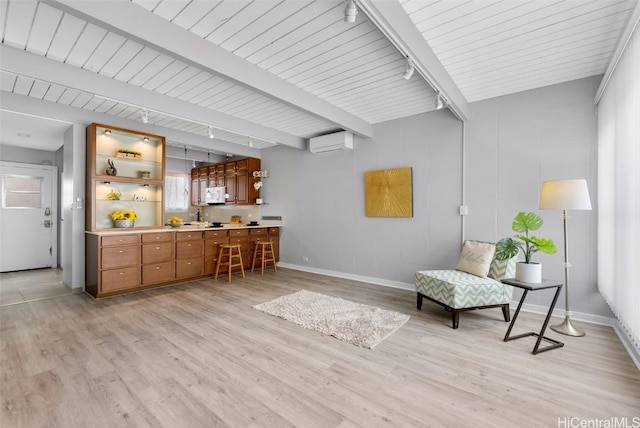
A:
[528,286]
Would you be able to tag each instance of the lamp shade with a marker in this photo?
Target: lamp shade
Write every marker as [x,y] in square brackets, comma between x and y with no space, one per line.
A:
[565,195]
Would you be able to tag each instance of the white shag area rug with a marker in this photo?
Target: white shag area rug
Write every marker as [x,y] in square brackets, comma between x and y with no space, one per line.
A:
[355,323]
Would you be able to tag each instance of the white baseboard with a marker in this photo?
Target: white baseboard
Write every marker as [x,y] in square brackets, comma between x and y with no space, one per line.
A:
[526,307]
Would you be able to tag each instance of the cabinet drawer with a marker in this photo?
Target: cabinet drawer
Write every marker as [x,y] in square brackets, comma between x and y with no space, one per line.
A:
[119,240]
[189,268]
[153,253]
[148,238]
[118,279]
[188,236]
[114,257]
[274,231]
[242,240]
[238,232]
[261,231]
[158,272]
[189,249]
[209,234]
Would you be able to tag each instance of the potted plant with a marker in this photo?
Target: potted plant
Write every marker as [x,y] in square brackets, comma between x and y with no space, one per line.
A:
[507,248]
[124,218]
[144,174]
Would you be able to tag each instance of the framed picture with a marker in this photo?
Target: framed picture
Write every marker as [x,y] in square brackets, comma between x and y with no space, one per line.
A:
[389,193]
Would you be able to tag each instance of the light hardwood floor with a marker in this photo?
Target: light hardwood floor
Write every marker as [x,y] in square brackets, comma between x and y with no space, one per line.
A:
[28,285]
[198,355]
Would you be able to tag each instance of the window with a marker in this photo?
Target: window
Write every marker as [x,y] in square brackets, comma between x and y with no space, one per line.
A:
[177,191]
[21,191]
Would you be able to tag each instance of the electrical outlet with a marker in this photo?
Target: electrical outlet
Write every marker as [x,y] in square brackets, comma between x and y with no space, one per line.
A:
[463,210]
[305,258]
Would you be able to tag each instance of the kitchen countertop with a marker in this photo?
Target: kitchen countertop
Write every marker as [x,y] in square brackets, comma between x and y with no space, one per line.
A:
[184,228]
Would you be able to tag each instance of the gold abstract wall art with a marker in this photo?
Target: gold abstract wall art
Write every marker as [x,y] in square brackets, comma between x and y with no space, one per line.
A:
[389,193]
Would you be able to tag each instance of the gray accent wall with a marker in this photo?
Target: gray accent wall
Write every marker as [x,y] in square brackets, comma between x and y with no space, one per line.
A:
[321,199]
[516,142]
[513,143]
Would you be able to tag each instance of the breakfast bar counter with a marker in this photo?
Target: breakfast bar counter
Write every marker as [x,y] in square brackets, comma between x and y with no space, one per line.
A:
[126,260]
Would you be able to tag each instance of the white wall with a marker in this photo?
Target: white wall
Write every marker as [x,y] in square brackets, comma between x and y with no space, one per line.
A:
[513,143]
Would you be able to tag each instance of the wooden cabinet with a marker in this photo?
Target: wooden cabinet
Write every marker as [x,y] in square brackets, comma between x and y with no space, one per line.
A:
[212,241]
[157,257]
[125,262]
[115,159]
[189,253]
[274,237]
[237,177]
[241,236]
[113,264]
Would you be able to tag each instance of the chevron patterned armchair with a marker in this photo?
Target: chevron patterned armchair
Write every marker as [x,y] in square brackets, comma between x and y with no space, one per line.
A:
[458,290]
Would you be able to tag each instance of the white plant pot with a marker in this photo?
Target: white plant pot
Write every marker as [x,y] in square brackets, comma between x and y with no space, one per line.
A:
[529,272]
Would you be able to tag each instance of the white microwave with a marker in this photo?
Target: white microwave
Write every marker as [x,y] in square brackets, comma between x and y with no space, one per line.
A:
[215,195]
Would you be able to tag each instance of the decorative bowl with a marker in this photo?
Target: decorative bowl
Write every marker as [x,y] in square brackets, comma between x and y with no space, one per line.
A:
[175,224]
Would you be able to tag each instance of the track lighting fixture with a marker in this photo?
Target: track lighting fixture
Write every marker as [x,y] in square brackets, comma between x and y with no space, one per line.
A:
[210,132]
[146,138]
[107,131]
[439,102]
[144,114]
[350,11]
[408,72]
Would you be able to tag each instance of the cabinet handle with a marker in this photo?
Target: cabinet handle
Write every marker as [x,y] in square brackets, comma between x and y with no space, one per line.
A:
[120,273]
[157,237]
[121,251]
[120,240]
[189,263]
[157,248]
[157,267]
[188,245]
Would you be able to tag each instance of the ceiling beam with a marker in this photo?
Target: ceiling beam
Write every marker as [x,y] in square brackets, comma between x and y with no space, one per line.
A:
[47,109]
[37,67]
[396,25]
[135,22]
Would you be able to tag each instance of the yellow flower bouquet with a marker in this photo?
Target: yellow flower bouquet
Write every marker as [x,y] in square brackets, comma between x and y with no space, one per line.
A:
[124,215]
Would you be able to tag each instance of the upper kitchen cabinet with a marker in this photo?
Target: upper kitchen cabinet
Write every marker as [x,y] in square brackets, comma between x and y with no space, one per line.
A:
[125,172]
[237,178]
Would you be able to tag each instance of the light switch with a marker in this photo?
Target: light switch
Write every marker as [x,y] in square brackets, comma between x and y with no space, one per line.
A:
[79,203]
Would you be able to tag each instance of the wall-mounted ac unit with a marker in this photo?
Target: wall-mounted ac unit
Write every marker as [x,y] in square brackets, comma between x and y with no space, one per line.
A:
[331,142]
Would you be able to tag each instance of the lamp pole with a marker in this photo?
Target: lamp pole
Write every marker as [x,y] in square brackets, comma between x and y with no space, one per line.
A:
[566,327]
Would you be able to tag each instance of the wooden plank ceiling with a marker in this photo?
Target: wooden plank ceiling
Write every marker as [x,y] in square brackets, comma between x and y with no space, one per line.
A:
[264,72]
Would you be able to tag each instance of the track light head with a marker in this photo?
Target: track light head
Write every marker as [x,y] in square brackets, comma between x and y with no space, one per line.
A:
[210,132]
[408,72]
[350,11]
[144,115]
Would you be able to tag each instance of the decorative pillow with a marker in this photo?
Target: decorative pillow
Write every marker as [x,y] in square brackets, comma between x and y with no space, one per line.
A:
[475,258]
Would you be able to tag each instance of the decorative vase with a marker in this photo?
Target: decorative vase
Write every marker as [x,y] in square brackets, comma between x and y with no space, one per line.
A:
[124,223]
[529,272]
[111,170]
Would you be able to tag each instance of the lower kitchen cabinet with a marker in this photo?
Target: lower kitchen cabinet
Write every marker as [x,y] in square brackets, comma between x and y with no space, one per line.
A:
[119,263]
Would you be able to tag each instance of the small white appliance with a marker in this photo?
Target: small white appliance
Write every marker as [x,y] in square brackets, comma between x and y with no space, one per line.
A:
[215,195]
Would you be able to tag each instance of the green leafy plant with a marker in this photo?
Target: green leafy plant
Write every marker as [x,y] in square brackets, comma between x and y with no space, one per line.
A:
[143,172]
[507,248]
[130,152]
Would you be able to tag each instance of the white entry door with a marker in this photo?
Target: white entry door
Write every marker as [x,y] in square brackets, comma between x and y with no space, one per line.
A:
[28,210]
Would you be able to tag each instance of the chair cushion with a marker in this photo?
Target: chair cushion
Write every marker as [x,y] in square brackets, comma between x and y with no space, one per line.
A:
[460,289]
[475,257]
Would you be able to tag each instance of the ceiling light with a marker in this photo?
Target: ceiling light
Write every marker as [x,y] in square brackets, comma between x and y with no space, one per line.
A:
[350,11]
[439,102]
[144,114]
[210,132]
[107,131]
[408,72]
[146,138]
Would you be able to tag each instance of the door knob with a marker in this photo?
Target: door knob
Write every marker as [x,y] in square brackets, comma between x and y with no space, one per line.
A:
[47,223]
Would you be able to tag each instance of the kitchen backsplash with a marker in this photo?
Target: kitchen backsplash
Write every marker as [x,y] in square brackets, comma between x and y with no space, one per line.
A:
[221,213]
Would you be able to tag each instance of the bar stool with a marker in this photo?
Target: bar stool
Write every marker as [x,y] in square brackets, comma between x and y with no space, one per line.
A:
[229,248]
[264,249]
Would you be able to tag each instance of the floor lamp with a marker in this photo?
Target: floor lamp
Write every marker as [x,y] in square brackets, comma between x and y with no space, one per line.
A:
[565,195]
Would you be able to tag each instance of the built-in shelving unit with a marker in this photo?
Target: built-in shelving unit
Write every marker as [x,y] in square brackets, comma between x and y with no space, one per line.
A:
[107,146]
